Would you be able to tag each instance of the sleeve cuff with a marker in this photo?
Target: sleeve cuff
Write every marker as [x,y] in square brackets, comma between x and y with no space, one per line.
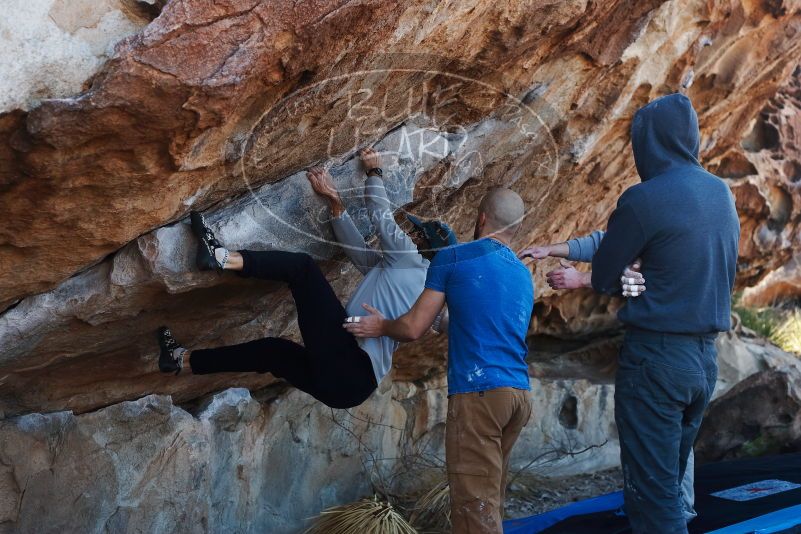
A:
[374,180]
[574,250]
[341,217]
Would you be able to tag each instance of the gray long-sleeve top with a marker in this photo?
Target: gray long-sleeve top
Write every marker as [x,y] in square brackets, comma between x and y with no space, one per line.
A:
[583,248]
[394,276]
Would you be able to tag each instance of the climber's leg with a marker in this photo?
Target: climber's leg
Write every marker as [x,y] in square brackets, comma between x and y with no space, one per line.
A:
[320,313]
[331,367]
[281,357]
[337,362]
[234,262]
[284,359]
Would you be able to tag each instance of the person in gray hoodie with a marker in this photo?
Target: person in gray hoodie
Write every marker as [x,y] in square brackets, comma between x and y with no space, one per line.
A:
[331,365]
[682,222]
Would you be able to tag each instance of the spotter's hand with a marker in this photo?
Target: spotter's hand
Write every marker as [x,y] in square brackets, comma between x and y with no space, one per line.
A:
[535,253]
[367,325]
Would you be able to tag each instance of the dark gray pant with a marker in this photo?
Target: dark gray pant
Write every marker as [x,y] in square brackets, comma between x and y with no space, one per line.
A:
[663,385]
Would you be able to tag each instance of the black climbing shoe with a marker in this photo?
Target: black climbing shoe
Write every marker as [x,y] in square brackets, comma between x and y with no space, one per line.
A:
[168,362]
[206,244]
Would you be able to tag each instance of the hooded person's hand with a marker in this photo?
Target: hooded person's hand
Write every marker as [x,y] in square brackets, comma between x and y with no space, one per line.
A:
[365,325]
[632,281]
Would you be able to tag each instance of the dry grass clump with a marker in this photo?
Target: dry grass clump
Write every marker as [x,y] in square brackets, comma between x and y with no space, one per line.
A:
[432,512]
[367,516]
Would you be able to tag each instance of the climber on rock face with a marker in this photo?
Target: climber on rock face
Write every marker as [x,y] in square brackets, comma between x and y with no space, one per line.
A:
[332,365]
[490,297]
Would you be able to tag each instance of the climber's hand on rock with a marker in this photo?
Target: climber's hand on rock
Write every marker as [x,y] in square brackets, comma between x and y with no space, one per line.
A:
[323,185]
[370,159]
[366,325]
[567,277]
[535,253]
[632,281]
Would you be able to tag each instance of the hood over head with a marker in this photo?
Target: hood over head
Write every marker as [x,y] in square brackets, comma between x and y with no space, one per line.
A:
[438,233]
[664,135]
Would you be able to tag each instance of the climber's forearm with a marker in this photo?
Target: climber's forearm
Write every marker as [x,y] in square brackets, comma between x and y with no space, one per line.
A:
[337,207]
[394,242]
[353,244]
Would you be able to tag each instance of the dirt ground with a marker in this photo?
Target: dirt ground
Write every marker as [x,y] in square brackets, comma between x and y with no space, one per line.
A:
[531,495]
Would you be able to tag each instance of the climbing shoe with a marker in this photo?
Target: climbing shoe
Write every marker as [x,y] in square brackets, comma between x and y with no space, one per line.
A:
[207,243]
[171,358]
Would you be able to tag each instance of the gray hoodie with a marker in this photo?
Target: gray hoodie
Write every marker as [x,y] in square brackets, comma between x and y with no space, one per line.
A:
[394,276]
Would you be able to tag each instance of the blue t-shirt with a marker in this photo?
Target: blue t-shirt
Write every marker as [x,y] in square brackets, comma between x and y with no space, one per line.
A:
[490,297]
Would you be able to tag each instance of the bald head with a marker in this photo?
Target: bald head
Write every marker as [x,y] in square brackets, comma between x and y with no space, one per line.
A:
[504,211]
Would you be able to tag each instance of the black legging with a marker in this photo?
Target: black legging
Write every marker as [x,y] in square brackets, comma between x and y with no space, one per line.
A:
[331,367]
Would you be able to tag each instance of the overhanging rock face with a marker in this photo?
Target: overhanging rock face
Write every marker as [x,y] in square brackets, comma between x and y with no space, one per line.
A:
[220,107]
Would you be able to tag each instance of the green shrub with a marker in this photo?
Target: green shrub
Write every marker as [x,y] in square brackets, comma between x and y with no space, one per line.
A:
[788,334]
[763,321]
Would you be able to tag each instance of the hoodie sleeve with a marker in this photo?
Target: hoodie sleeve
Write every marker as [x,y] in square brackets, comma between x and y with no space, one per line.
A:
[622,244]
[395,244]
[359,252]
[584,248]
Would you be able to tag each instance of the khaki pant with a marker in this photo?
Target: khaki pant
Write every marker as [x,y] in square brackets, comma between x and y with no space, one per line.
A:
[480,431]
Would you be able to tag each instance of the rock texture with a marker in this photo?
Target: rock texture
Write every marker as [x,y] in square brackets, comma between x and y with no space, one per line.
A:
[265,462]
[765,184]
[241,465]
[760,415]
[52,47]
[224,105]
[220,106]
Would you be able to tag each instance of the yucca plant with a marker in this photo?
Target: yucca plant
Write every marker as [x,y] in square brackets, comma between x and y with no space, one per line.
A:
[432,512]
[367,516]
